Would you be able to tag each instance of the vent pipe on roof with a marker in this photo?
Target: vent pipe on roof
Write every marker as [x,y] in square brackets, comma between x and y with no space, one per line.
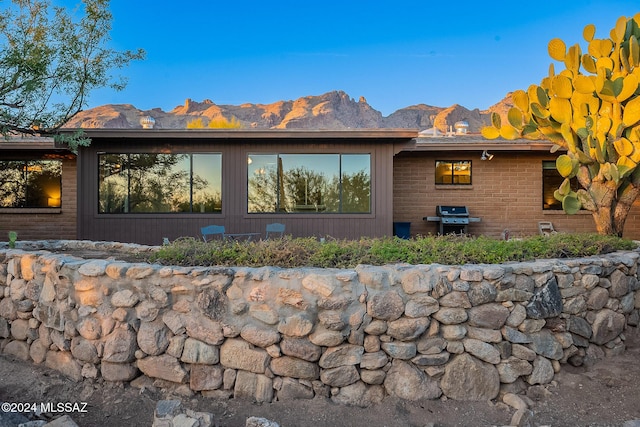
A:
[462,127]
[147,122]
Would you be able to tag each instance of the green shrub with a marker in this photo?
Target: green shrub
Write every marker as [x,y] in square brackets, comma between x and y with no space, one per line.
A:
[333,253]
[13,236]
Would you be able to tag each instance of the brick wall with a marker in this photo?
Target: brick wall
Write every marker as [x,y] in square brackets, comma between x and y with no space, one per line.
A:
[506,193]
[46,223]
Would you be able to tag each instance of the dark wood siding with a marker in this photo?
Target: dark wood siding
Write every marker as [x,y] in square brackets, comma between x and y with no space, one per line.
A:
[151,228]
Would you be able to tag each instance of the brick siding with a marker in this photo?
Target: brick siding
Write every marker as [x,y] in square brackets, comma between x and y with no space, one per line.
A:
[506,193]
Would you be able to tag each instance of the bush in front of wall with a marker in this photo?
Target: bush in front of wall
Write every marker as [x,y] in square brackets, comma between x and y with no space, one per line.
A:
[291,252]
[13,236]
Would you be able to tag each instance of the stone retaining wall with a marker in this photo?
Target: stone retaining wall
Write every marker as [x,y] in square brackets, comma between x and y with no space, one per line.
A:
[355,335]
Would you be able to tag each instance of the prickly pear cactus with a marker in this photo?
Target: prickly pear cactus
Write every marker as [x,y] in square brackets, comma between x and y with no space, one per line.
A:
[591,110]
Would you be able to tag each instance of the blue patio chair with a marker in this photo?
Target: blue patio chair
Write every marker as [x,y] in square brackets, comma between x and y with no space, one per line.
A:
[212,231]
[276,230]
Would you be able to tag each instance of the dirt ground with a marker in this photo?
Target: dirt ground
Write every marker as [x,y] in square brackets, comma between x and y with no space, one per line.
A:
[604,394]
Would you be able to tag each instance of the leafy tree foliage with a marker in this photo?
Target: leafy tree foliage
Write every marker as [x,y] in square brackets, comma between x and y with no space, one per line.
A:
[591,109]
[51,59]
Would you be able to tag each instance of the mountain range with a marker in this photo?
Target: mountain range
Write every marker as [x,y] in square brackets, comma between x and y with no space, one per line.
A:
[332,110]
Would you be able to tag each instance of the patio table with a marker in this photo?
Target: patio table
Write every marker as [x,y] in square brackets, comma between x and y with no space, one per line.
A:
[241,236]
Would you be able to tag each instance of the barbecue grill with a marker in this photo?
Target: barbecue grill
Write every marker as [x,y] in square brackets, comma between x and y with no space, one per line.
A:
[452,219]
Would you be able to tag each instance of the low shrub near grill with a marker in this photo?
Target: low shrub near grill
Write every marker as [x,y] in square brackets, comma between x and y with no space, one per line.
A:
[291,252]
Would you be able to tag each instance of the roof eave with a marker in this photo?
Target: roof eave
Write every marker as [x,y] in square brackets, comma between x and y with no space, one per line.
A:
[44,144]
[478,144]
[250,133]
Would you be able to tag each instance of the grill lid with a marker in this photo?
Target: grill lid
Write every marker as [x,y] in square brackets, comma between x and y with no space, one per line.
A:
[448,211]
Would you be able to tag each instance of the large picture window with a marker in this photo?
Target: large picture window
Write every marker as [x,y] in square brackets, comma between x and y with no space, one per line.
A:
[453,172]
[30,183]
[551,181]
[160,183]
[309,183]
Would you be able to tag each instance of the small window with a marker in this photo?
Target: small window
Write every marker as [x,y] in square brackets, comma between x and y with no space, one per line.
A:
[551,181]
[456,172]
[30,183]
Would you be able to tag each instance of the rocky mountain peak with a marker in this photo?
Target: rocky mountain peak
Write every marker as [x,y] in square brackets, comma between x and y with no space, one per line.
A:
[332,110]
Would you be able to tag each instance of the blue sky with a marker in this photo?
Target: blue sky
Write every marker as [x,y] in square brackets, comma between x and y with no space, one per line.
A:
[395,54]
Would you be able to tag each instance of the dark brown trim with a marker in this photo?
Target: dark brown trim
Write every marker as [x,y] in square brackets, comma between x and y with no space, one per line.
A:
[457,145]
[383,135]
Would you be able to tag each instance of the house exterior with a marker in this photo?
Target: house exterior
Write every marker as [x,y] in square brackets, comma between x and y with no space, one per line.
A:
[510,190]
[38,189]
[145,185]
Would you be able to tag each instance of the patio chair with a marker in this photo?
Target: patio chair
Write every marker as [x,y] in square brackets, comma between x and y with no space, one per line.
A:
[212,231]
[276,230]
[546,228]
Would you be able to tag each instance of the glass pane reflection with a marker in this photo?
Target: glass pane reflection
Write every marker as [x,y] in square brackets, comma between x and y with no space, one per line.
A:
[158,183]
[309,183]
[30,184]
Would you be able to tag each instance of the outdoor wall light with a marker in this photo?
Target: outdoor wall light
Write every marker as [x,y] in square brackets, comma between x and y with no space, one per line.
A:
[486,156]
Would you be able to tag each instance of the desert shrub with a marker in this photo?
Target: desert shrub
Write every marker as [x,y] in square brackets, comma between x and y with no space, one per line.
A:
[334,253]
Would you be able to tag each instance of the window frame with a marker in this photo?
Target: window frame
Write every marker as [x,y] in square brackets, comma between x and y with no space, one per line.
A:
[52,203]
[546,196]
[276,193]
[452,176]
[190,168]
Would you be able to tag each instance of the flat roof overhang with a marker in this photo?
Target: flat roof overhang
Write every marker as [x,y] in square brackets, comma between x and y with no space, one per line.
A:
[467,143]
[253,134]
[35,144]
